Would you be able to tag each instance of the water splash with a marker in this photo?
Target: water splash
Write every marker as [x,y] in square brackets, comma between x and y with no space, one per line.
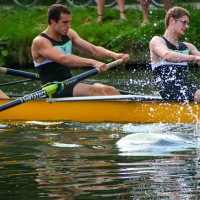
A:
[153,144]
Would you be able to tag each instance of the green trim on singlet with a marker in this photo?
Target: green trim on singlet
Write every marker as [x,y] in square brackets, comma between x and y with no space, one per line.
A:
[186,51]
[66,48]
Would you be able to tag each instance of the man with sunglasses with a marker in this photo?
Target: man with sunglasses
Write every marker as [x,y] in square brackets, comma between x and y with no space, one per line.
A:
[170,57]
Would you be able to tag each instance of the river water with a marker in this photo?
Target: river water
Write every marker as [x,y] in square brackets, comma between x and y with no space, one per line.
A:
[71,160]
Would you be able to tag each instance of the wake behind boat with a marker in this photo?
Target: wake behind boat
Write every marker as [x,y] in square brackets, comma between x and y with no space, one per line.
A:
[98,109]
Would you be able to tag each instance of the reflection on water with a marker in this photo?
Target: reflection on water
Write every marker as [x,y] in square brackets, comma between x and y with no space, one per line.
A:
[70,160]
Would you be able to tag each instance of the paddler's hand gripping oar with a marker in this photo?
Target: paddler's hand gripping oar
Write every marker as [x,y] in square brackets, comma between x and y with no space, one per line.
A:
[50,89]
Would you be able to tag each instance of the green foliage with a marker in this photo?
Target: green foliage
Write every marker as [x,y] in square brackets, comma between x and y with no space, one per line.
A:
[17,30]
[18,27]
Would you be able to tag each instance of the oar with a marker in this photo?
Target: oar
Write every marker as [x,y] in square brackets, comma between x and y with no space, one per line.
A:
[14,72]
[15,82]
[34,76]
[124,92]
[52,88]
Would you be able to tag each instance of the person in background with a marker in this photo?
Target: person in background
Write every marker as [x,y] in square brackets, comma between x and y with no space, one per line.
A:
[3,95]
[170,57]
[145,9]
[53,58]
[100,8]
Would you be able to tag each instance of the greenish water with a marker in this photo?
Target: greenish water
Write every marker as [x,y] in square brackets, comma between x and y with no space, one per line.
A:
[70,160]
[97,161]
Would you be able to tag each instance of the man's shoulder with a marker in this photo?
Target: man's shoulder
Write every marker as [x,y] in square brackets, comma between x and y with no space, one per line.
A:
[40,38]
[40,41]
[72,33]
[156,39]
[189,45]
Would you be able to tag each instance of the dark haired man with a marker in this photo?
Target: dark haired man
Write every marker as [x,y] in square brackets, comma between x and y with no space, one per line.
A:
[53,58]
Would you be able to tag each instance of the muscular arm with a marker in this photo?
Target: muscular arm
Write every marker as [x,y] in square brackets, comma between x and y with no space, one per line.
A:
[96,51]
[159,49]
[42,49]
[193,49]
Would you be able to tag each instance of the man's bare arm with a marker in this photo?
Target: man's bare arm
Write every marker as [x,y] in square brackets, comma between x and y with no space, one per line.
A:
[158,47]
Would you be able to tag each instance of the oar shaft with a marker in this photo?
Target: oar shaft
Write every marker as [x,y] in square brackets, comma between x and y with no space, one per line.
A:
[15,82]
[90,73]
[126,92]
[24,99]
[14,72]
[81,77]
[24,74]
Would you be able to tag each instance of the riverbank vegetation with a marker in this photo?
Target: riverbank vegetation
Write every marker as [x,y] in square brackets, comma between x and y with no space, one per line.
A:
[18,27]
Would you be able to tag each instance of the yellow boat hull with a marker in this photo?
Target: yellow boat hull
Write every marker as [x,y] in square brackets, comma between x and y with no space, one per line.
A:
[97,111]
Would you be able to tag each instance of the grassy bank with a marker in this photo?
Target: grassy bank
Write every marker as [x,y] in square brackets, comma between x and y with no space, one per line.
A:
[19,26]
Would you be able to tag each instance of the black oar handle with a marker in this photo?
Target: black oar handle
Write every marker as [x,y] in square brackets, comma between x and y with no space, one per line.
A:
[14,72]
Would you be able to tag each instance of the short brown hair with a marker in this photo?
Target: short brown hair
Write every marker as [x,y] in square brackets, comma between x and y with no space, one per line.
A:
[175,12]
[55,10]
